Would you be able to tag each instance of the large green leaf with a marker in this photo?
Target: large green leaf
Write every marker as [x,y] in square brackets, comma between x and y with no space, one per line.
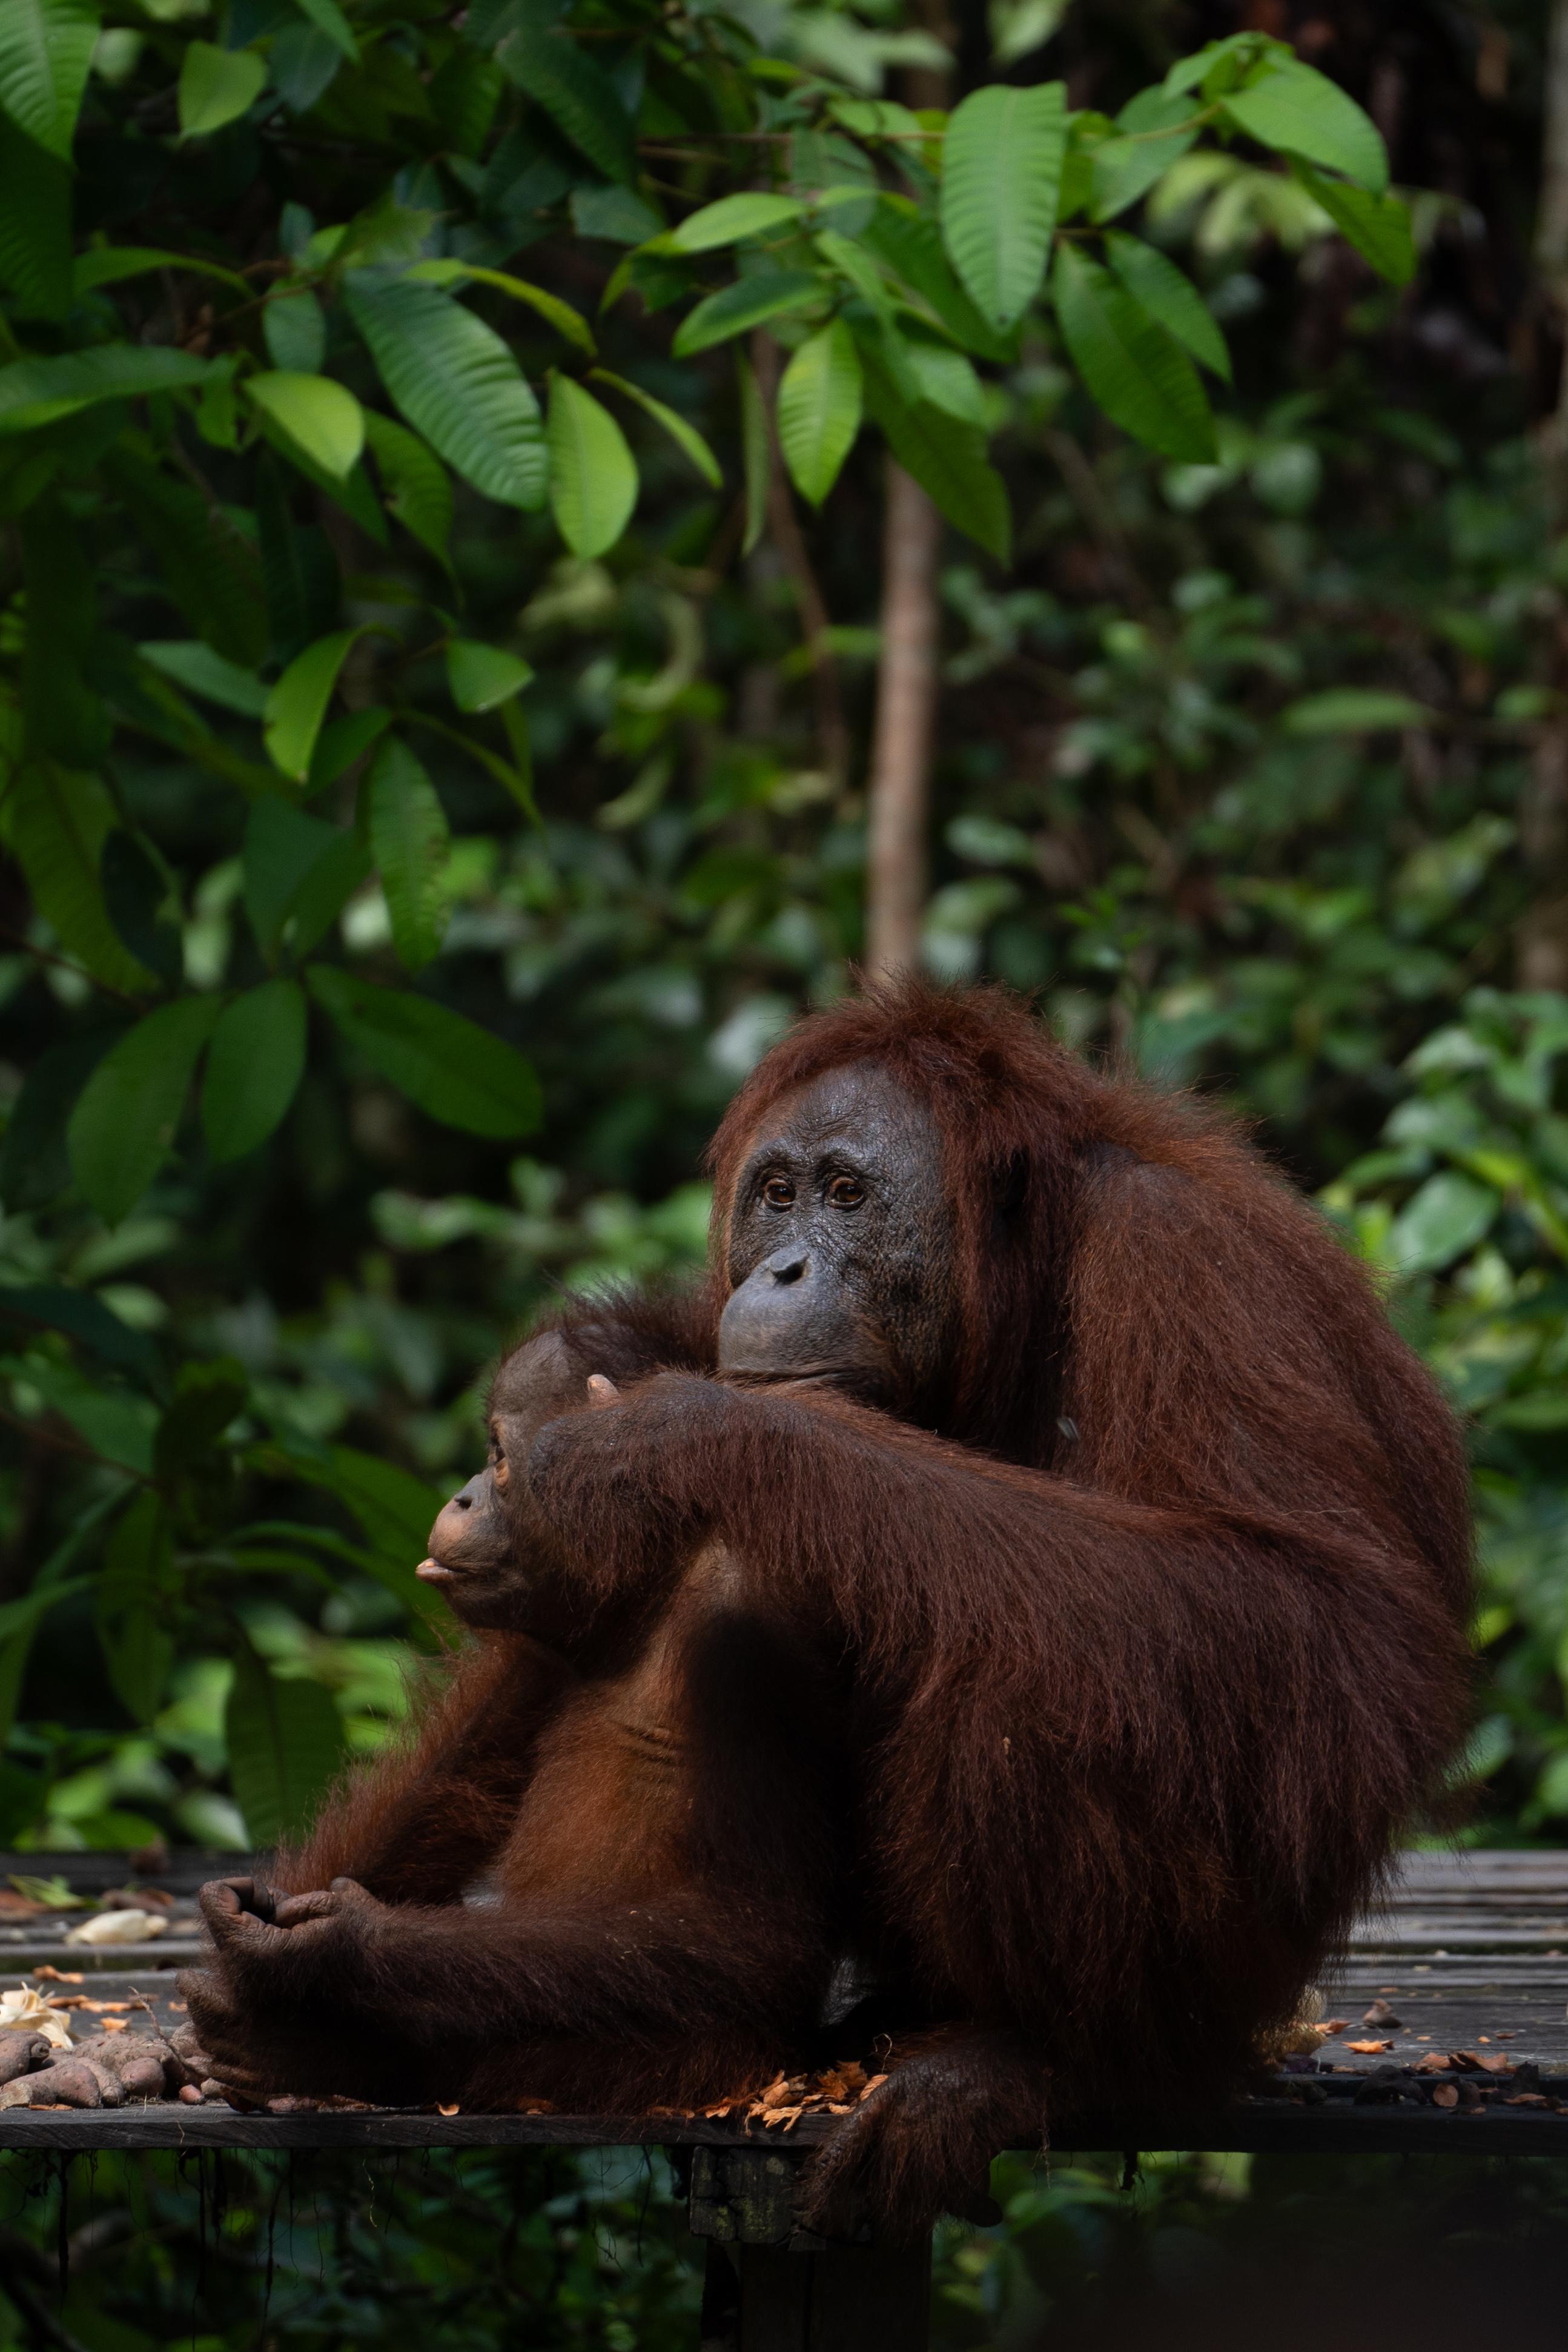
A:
[592,473]
[1292,106]
[123,1126]
[54,821]
[134,1605]
[946,458]
[1158,127]
[731,219]
[456,382]
[1378,226]
[328,18]
[1169,296]
[1446,1217]
[36,391]
[561,315]
[81,1314]
[209,568]
[449,1067]
[206,674]
[484,676]
[1001,171]
[575,92]
[910,244]
[35,225]
[819,410]
[34,1166]
[46,50]
[254,1064]
[299,871]
[322,417]
[686,436]
[298,704]
[414,482]
[1135,371]
[411,842]
[285,1746]
[766,294]
[216,87]
[294,326]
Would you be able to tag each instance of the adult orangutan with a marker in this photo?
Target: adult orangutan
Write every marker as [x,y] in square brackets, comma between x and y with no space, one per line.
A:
[1034,1573]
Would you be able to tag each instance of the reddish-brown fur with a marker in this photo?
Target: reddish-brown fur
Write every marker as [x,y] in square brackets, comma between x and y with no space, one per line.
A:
[1083,1722]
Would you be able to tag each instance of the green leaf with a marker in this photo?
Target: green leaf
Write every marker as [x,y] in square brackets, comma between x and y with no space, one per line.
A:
[84,1318]
[328,18]
[686,436]
[765,294]
[411,842]
[107,265]
[285,1747]
[294,326]
[35,225]
[946,379]
[393,1507]
[449,1067]
[593,475]
[1293,107]
[36,391]
[577,95]
[216,87]
[1169,296]
[298,872]
[1002,171]
[483,676]
[755,450]
[1378,226]
[910,244]
[32,1164]
[1122,170]
[135,1593]
[54,821]
[947,458]
[414,483]
[297,703]
[731,219]
[561,315]
[819,410]
[1446,1218]
[123,1127]
[1354,710]
[456,382]
[254,1064]
[46,50]
[208,1396]
[1135,371]
[201,671]
[209,567]
[322,417]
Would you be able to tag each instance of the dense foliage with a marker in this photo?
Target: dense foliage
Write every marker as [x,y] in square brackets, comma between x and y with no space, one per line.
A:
[271,380]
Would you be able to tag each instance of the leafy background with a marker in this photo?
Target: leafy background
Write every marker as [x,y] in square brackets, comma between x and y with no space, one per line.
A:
[435,709]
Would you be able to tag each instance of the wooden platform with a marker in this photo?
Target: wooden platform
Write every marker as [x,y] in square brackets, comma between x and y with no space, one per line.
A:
[1470,1953]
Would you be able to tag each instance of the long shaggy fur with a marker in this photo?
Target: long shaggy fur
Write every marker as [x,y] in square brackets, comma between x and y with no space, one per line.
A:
[1083,1721]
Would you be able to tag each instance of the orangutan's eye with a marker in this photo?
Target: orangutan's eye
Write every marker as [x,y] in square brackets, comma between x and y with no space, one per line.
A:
[779,1193]
[845,1192]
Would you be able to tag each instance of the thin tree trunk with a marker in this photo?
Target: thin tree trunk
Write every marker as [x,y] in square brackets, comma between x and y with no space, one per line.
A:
[898,799]
[784,525]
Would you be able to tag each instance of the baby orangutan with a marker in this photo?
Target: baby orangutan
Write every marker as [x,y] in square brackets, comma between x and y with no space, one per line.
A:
[1033,1575]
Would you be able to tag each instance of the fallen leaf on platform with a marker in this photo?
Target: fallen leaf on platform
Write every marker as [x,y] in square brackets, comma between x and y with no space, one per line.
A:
[445,2111]
[1335,2024]
[1488,2065]
[1365,2049]
[1433,2065]
[1525,2099]
[875,2083]
[1445,2095]
[23,2006]
[777,2092]
[117,1927]
[1380,2014]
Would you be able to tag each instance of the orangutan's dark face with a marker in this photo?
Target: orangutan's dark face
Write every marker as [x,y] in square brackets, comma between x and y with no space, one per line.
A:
[840,1259]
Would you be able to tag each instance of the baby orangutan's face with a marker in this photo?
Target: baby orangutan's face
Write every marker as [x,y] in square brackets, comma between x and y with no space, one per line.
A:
[487,1550]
